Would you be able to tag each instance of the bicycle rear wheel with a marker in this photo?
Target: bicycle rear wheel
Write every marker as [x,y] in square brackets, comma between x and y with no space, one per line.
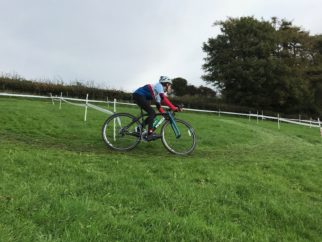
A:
[120,132]
[183,145]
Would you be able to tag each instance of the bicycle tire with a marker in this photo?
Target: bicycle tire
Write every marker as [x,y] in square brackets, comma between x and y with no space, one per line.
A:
[110,139]
[167,144]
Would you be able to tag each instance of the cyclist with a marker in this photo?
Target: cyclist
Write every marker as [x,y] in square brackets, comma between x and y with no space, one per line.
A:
[144,95]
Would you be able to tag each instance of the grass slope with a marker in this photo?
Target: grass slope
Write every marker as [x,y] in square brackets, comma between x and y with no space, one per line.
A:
[244,182]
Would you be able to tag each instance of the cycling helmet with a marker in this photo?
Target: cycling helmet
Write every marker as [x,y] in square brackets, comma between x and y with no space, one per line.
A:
[165,79]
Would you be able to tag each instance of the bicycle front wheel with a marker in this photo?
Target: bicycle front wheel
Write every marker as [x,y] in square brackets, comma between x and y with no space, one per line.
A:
[179,145]
[120,132]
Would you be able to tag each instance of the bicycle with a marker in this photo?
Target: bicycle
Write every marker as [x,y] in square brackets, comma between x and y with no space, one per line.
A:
[124,131]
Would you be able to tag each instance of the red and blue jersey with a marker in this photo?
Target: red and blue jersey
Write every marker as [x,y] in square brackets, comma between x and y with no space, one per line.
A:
[146,91]
[155,92]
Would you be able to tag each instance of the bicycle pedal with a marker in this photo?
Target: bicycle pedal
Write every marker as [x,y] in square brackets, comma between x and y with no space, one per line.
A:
[143,136]
[153,137]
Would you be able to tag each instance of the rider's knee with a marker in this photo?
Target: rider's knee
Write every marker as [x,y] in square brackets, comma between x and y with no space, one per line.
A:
[152,114]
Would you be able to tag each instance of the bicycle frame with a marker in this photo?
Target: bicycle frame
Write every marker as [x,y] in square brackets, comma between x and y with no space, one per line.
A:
[174,125]
[169,114]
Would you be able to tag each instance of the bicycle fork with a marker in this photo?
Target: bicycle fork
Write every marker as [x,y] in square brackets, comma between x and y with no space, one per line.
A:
[174,126]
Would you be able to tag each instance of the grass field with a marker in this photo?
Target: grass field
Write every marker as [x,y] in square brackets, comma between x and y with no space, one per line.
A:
[244,182]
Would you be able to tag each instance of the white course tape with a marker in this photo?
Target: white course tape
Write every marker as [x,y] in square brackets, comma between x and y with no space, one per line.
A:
[310,123]
[75,104]
[294,122]
[100,109]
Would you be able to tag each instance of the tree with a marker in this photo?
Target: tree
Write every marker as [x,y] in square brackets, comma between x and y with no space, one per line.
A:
[179,86]
[206,91]
[192,90]
[293,55]
[314,72]
[259,63]
[238,61]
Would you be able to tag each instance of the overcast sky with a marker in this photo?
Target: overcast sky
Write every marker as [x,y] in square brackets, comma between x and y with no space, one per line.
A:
[126,43]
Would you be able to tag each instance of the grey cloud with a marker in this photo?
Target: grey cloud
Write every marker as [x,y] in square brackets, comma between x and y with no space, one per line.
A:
[123,44]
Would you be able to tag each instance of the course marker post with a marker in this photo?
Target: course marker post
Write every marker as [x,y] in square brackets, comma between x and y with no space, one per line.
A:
[52,99]
[61,97]
[278,121]
[257,117]
[86,104]
[114,118]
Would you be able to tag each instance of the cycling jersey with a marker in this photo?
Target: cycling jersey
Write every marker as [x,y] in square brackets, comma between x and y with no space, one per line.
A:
[151,92]
[155,92]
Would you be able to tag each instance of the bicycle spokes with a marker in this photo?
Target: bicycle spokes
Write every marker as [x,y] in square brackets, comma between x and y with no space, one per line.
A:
[123,131]
[178,137]
[119,132]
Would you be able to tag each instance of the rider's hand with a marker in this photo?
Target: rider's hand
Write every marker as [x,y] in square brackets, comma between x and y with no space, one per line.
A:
[161,110]
[178,108]
[165,115]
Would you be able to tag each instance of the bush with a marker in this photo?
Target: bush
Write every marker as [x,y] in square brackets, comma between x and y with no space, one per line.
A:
[15,84]
[78,90]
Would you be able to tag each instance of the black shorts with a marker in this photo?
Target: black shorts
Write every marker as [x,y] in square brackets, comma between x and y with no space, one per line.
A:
[145,104]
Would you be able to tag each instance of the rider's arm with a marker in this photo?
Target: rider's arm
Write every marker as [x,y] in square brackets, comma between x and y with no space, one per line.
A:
[159,107]
[166,101]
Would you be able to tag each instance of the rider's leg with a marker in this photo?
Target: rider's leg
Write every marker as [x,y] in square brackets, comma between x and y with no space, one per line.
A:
[149,120]
[145,105]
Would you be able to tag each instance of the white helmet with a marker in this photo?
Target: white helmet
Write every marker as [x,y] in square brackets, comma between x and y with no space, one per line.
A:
[165,79]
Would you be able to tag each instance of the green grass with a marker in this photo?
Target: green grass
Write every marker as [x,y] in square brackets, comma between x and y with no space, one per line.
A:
[244,182]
